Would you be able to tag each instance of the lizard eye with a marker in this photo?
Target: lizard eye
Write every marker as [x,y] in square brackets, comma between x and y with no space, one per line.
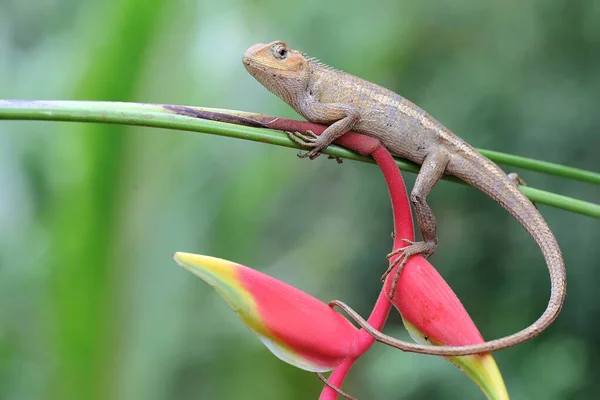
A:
[279,51]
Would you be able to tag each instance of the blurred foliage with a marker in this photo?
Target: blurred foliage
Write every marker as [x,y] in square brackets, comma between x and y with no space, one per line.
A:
[93,307]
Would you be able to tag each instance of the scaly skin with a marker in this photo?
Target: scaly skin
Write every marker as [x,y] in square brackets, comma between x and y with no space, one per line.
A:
[327,96]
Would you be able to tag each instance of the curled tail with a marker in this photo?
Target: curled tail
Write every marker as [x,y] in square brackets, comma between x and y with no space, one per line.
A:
[491,180]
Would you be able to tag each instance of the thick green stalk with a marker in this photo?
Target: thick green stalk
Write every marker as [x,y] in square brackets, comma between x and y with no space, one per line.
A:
[164,116]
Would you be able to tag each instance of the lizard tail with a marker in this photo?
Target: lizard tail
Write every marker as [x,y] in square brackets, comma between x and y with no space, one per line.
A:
[494,182]
[491,180]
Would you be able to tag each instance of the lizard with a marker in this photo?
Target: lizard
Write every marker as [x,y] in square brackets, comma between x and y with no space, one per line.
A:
[345,102]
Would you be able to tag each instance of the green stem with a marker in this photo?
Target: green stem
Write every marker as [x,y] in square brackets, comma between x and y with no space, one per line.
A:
[161,116]
[563,202]
[542,166]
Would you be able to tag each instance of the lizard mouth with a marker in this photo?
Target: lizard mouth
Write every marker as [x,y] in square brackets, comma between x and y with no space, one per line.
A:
[249,58]
[256,67]
[246,61]
[250,66]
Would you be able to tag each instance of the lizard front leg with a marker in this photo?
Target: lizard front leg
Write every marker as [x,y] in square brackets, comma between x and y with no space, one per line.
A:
[432,170]
[343,117]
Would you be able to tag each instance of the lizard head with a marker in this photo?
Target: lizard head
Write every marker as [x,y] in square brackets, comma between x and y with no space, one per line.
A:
[283,71]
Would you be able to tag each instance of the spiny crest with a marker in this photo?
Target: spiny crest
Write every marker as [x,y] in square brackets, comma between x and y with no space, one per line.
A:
[317,62]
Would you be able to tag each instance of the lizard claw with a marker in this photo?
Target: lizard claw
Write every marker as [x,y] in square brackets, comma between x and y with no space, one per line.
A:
[338,159]
[413,248]
[398,251]
[306,139]
[312,154]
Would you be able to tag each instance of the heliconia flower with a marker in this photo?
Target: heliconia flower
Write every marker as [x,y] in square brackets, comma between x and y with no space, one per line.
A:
[296,327]
[433,314]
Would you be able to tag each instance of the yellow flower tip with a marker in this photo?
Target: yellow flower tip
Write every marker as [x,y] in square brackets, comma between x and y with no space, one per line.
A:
[191,261]
[480,368]
[483,370]
[222,275]
[296,327]
[207,268]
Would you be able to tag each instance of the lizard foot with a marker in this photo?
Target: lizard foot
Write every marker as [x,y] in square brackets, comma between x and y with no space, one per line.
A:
[307,139]
[413,248]
[312,154]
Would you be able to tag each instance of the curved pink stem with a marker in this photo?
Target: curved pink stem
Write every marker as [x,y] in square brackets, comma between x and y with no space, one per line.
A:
[403,228]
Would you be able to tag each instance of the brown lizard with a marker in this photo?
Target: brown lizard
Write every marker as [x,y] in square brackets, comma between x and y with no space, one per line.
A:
[344,102]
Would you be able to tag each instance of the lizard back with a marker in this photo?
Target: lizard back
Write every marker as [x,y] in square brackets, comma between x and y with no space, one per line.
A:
[403,127]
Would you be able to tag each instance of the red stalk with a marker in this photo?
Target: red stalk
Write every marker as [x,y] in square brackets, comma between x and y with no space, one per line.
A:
[403,229]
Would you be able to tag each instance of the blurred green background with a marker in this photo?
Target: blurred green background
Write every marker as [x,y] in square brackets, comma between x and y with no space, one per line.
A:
[92,305]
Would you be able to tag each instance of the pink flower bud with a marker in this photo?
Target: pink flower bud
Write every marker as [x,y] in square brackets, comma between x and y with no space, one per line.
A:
[433,314]
[295,326]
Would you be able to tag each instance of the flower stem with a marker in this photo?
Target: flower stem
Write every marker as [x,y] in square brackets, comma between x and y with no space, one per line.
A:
[403,229]
[194,119]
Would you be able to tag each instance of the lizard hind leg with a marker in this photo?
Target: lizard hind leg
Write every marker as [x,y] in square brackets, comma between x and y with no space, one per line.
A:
[431,172]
